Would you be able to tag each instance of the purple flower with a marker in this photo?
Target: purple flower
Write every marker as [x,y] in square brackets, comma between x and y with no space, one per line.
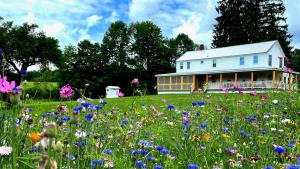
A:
[140,164]
[135,81]
[158,167]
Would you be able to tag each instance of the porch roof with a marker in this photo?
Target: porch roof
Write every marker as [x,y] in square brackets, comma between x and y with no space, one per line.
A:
[221,71]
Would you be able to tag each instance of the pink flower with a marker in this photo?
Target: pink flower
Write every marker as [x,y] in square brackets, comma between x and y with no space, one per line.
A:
[9,87]
[264,96]
[135,81]
[66,91]
[163,100]
[288,70]
[120,94]
[252,93]
[234,85]
[224,89]
[4,150]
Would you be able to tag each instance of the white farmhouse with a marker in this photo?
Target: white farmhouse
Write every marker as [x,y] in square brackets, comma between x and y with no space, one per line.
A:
[257,66]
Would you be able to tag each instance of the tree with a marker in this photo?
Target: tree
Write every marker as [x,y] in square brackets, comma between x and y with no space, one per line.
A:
[24,47]
[295,60]
[274,24]
[251,21]
[178,46]
[147,46]
[230,28]
[115,48]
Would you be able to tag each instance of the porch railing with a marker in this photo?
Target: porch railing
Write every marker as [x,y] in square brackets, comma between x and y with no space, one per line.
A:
[255,85]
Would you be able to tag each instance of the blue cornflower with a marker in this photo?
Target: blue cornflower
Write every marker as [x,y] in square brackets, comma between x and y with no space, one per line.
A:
[98,107]
[1,117]
[159,148]
[200,103]
[279,149]
[184,113]
[198,113]
[185,123]
[203,125]
[269,167]
[144,152]
[226,122]
[164,151]
[263,132]
[225,130]
[193,166]
[34,150]
[77,109]
[89,117]
[158,167]
[231,118]
[86,104]
[194,104]
[150,158]
[140,164]
[104,102]
[241,132]
[107,151]
[146,144]
[248,135]
[292,166]
[251,118]
[66,118]
[170,106]
[135,152]
[293,141]
[98,162]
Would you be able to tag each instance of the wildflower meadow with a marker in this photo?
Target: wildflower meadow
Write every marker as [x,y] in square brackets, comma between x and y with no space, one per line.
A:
[159,131]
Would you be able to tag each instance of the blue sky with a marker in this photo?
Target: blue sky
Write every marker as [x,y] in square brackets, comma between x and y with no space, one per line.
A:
[73,20]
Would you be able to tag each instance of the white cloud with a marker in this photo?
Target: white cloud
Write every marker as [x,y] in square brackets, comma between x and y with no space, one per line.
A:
[92,20]
[113,17]
[191,27]
[54,29]
[30,18]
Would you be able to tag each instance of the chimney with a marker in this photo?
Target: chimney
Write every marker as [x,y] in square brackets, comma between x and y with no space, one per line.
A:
[201,47]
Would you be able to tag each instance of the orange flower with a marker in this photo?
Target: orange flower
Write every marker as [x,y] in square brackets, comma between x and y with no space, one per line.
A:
[35,137]
[205,137]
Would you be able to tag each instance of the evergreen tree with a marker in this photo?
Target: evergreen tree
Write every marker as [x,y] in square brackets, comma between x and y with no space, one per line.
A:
[274,24]
[230,28]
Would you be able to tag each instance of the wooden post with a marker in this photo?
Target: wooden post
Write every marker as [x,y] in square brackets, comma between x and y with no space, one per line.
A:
[235,77]
[273,79]
[251,83]
[221,78]
[170,84]
[157,83]
[206,81]
[194,82]
[181,83]
[290,81]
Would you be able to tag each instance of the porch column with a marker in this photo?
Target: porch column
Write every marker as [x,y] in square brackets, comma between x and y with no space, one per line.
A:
[273,79]
[206,81]
[235,77]
[157,83]
[221,78]
[181,83]
[194,82]
[170,84]
[251,83]
[290,81]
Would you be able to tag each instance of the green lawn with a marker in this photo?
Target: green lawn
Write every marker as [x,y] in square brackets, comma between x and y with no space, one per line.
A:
[189,134]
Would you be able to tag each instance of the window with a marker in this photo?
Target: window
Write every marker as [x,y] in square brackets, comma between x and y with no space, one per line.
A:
[181,65]
[214,63]
[188,65]
[280,62]
[255,59]
[242,60]
[270,60]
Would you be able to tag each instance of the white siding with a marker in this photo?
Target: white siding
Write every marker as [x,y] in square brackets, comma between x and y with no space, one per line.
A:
[233,62]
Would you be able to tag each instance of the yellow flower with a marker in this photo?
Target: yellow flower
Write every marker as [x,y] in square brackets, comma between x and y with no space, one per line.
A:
[195,138]
[225,136]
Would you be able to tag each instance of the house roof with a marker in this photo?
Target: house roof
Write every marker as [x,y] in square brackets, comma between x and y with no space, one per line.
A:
[112,87]
[221,71]
[253,48]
